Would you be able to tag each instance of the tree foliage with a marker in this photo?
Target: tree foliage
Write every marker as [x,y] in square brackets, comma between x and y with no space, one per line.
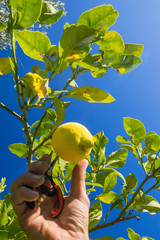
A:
[74,51]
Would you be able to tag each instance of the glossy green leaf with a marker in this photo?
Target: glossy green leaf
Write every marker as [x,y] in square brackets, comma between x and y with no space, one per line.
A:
[107,197]
[90,94]
[49,14]
[134,128]
[131,182]
[95,214]
[112,45]
[129,148]
[126,63]
[100,142]
[110,182]
[75,41]
[60,111]
[68,174]
[54,94]
[3,26]
[19,149]
[133,49]
[152,143]
[153,206]
[103,238]
[122,140]
[117,159]
[3,234]
[34,44]
[44,129]
[132,235]
[99,18]
[88,63]
[28,12]
[5,66]
[100,72]
[117,173]
[100,177]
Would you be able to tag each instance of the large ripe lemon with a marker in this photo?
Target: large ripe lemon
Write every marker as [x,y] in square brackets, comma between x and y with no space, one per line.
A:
[72,141]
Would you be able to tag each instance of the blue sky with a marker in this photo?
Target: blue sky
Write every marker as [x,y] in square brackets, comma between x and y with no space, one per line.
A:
[137,96]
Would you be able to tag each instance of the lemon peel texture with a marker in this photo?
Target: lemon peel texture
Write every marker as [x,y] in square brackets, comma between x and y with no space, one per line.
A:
[72,141]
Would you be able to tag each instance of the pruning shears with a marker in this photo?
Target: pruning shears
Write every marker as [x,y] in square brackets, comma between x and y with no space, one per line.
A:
[53,191]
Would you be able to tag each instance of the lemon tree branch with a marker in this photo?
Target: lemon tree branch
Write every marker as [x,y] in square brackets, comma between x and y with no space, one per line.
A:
[11,111]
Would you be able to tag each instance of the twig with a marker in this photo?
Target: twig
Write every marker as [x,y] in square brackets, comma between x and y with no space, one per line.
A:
[40,121]
[11,111]
[121,217]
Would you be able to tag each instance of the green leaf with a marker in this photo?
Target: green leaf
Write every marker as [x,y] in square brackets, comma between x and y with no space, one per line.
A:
[75,41]
[110,182]
[100,142]
[3,214]
[21,236]
[132,235]
[34,44]
[112,45]
[94,184]
[134,128]
[118,174]
[100,72]
[133,49]
[95,214]
[103,238]
[49,14]
[19,149]
[131,182]
[2,184]
[153,206]
[146,238]
[3,234]
[60,111]
[130,148]
[126,63]
[117,159]
[28,12]
[90,94]
[152,143]
[107,197]
[5,66]
[3,26]
[88,63]
[44,129]
[122,140]
[13,228]
[54,94]
[99,18]
[68,173]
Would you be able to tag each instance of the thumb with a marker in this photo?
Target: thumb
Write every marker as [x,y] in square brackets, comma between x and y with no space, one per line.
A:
[78,187]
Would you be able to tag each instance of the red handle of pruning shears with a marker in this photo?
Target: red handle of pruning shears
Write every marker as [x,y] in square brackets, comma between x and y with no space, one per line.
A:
[54,192]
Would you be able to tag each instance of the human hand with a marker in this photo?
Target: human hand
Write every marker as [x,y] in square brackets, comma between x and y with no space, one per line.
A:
[72,223]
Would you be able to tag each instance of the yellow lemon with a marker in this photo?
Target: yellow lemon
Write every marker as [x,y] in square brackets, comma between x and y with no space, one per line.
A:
[72,141]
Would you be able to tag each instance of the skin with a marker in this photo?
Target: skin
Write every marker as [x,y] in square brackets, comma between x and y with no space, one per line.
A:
[71,224]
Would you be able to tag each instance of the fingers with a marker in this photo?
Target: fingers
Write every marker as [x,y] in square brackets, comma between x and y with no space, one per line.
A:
[78,187]
[23,194]
[32,178]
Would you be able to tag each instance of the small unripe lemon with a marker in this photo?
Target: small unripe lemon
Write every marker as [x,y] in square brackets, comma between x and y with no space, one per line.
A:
[72,141]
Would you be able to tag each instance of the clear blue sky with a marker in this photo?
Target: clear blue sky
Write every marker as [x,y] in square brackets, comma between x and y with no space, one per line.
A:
[137,96]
